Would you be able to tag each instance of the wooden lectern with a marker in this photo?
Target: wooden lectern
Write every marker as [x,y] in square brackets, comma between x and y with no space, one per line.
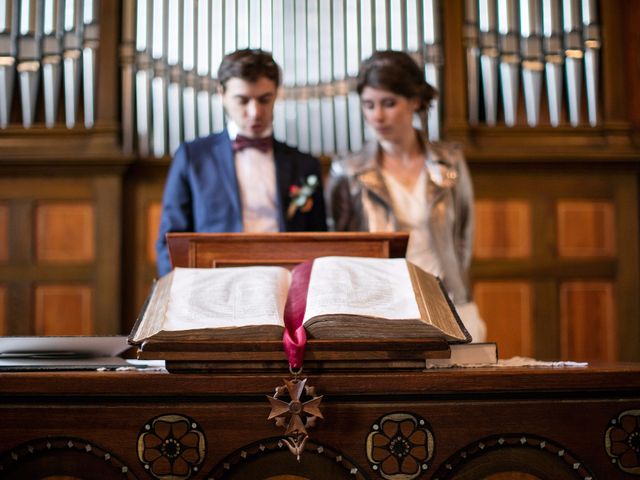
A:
[287,249]
[284,249]
[445,424]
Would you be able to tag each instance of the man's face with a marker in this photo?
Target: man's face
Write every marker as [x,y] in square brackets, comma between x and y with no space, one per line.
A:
[250,105]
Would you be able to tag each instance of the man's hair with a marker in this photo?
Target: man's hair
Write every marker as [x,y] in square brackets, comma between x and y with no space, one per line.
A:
[249,65]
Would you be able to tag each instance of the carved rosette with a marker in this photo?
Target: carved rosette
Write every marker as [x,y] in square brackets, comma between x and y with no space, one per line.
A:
[400,446]
[622,441]
[171,447]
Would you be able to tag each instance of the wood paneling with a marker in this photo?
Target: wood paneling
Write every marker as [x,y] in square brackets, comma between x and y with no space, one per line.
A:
[4,232]
[588,329]
[3,310]
[63,229]
[65,232]
[64,310]
[143,195]
[586,229]
[506,307]
[503,229]
[154,211]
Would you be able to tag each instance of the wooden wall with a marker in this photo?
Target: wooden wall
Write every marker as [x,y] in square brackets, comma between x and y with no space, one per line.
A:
[555,260]
[555,270]
[61,255]
[61,214]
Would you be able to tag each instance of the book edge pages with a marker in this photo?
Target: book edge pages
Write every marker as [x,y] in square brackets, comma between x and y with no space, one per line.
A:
[157,301]
[455,331]
[132,339]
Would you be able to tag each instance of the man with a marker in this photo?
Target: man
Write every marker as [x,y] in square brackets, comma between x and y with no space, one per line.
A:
[242,180]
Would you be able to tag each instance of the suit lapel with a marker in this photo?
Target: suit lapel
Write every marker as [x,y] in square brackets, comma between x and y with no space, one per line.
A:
[434,191]
[286,173]
[373,181]
[223,152]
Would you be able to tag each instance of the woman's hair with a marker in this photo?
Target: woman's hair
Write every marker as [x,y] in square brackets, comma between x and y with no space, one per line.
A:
[398,73]
[248,65]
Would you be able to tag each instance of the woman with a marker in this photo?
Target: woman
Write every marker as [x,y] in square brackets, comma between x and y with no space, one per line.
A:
[400,182]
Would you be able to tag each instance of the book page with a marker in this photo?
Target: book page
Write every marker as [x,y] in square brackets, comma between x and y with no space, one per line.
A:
[377,287]
[226,297]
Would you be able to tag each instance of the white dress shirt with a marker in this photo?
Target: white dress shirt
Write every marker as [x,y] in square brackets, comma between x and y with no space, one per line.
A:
[256,175]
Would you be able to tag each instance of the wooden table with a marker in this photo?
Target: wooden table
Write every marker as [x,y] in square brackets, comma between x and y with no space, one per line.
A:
[464,423]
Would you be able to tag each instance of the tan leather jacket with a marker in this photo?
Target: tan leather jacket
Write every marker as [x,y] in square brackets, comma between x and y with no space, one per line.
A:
[359,201]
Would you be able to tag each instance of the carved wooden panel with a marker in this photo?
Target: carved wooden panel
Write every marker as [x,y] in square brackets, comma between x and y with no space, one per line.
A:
[506,307]
[586,229]
[4,232]
[154,211]
[503,229]
[588,329]
[3,310]
[64,310]
[65,232]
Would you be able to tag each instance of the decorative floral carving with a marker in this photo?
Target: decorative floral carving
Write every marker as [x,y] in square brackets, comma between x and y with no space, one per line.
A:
[171,447]
[622,441]
[400,446]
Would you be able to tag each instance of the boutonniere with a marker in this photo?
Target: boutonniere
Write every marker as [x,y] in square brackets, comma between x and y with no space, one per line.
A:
[301,196]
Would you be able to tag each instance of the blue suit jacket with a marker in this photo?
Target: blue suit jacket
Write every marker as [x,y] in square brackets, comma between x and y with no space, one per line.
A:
[201,192]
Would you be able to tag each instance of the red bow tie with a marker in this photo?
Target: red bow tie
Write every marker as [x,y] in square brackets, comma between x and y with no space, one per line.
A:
[263,144]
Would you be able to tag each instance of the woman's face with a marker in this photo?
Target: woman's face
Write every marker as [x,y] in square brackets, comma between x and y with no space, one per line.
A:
[388,114]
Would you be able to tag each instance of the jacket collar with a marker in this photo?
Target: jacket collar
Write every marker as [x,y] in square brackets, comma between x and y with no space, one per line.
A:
[223,151]
[369,173]
[286,173]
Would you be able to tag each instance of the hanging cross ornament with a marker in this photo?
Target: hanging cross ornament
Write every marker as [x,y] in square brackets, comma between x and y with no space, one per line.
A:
[296,416]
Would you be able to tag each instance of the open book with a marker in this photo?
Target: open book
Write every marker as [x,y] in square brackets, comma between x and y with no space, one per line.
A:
[339,298]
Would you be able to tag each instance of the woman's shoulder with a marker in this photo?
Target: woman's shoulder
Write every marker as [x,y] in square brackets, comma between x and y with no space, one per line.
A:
[352,164]
[451,153]
[446,164]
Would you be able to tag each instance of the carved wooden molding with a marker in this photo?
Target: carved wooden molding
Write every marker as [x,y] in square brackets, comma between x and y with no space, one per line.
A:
[33,459]
[500,453]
